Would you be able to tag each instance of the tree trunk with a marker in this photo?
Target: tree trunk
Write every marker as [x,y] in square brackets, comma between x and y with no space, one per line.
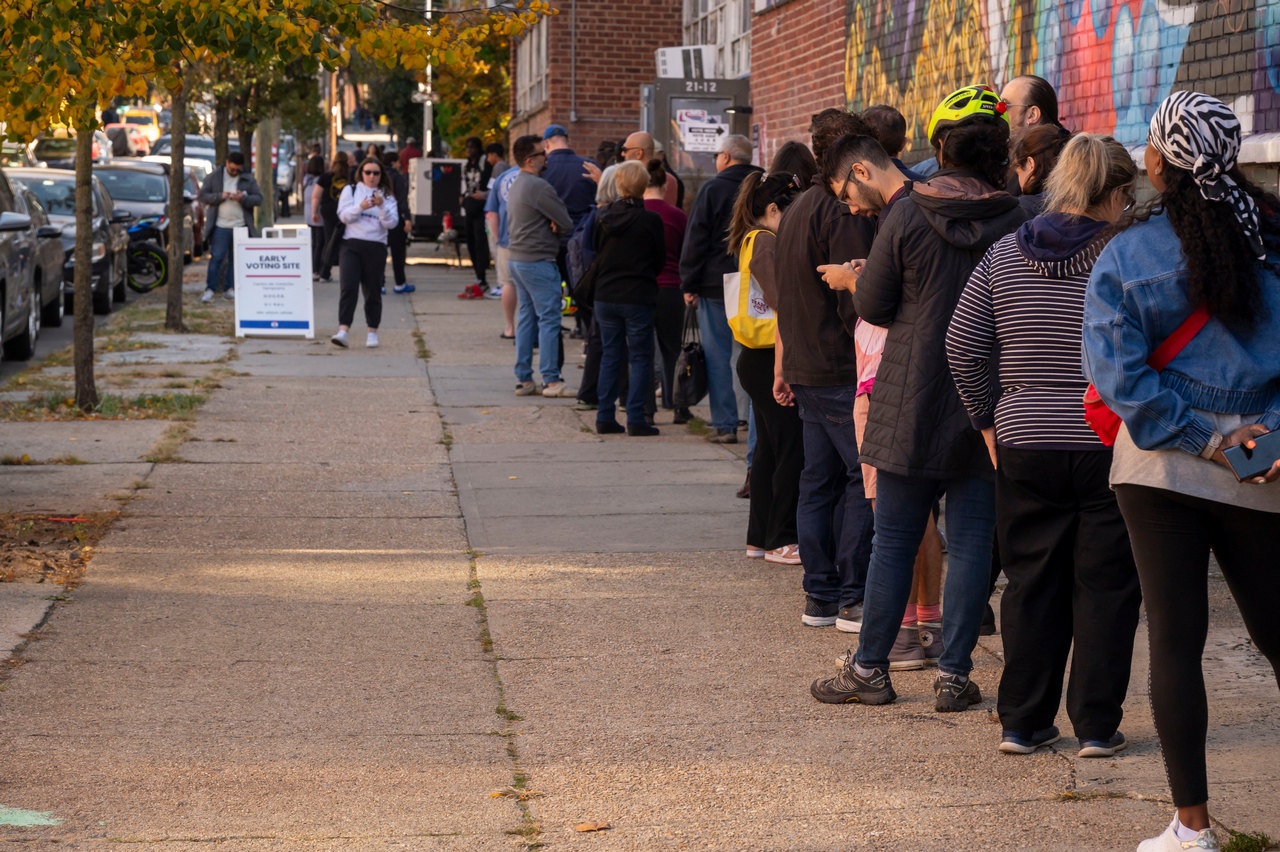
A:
[266,212]
[82,329]
[221,127]
[177,188]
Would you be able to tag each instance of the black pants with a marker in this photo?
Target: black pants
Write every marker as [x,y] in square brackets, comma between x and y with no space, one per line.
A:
[397,243]
[1071,577]
[317,247]
[668,321]
[361,268]
[1172,535]
[331,226]
[477,241]
[778,459]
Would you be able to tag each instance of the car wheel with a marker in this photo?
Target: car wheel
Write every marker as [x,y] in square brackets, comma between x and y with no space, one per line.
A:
[54,311]
[23,346]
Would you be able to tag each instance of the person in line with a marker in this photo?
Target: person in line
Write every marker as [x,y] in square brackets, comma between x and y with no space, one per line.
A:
[669,312]
[642,146]
[889,127]
[779,455]
[580,251]
[495,154]
[229,194]
[1211,240]
[536,217]
[918,436]
[814,370]
[398,237]
[495,214]
[311,211]
[630,254]
[368,210]
[1032,158]
[325,198]
[475,192]
[871,184]
[704,261]
[1014,351]
[1030,101]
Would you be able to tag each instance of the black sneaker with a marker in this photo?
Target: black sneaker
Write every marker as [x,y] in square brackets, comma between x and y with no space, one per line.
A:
[851,687]
[819,613]
[955,694]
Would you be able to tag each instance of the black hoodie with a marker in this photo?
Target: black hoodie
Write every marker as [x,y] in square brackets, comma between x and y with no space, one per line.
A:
[631,250]
[924,252]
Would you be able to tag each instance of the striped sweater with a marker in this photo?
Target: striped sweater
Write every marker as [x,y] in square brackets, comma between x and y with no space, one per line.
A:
[1014,344]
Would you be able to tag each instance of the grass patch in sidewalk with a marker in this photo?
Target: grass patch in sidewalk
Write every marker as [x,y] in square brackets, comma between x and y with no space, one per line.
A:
[60,405]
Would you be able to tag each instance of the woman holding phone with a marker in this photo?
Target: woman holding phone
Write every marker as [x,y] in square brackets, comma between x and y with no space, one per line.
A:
[1211,238]
[368,209]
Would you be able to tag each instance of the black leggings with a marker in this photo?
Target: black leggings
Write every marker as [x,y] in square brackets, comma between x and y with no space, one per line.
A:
[779,455]
[362,267]
[1172,535]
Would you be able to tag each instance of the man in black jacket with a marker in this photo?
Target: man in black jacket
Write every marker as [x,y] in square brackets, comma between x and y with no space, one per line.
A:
[704,261]
[815,331]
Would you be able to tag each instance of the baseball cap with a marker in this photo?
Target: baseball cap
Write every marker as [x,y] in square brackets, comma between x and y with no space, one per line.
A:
[554,130]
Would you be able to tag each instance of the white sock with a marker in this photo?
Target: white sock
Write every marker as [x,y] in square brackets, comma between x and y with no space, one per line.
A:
[1181,832]
[862,670]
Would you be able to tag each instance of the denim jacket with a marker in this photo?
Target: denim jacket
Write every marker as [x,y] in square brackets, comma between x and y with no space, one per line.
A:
[1136,298]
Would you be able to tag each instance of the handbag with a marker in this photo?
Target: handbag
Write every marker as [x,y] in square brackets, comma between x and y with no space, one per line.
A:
[690,380]
[1105,422]
[584,292]
[753,322]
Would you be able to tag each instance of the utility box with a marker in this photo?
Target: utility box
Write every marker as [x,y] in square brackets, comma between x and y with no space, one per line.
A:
[435,188]
[691,116]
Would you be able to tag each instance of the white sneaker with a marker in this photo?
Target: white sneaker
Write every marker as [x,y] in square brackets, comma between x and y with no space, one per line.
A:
[494,293]
[207,297]
[340,339]
[371,341]
[788,554]
[230,295]
[1169,842]
[557,389]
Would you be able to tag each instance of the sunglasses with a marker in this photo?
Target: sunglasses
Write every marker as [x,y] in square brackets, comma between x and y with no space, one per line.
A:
[368,173]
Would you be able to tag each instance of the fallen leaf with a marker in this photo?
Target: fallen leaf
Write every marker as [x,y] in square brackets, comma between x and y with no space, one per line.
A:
[592,826]
[513,477]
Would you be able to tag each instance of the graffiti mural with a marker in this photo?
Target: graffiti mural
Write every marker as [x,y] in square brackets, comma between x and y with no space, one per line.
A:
[1111,61]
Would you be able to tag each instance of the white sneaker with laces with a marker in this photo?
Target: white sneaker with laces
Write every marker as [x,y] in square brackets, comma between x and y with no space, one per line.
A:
[1169,841]
[371,342]
[230,294]
[494,293]
[340,339]
[207,297]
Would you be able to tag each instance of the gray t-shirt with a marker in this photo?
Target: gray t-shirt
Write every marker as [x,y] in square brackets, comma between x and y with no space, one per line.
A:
[531,207]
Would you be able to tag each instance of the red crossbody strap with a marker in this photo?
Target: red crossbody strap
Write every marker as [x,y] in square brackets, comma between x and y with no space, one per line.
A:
[1181,336]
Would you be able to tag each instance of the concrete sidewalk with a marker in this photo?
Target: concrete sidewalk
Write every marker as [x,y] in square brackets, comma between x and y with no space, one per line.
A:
[382,603]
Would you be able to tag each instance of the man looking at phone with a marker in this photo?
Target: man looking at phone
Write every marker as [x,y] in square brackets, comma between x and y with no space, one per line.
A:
[232,193]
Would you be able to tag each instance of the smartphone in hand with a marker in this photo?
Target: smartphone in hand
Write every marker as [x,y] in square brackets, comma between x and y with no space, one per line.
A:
[1248,463]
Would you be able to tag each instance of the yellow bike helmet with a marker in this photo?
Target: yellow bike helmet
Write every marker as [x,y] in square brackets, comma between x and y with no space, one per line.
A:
[965,104]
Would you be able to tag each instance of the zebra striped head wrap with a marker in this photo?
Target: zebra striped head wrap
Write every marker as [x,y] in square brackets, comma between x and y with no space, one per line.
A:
[1201,135]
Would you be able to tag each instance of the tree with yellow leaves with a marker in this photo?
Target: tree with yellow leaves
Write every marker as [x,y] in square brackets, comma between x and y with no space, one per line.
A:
[61,60]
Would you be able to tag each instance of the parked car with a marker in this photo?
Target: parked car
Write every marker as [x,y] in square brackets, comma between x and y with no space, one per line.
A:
[127,140]
[145,119]
[59,151]
[142,188]
[56,190]
[197,170]
[19,303]
[47,256]
[16,154]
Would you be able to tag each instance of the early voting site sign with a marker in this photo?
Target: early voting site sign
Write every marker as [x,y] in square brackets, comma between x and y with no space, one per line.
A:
[273,284]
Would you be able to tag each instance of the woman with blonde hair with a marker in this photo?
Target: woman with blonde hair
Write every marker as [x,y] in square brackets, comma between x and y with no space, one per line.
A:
[1062,540]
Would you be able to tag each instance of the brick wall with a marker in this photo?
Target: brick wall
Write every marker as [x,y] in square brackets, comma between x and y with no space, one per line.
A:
[615,55]
[797,68]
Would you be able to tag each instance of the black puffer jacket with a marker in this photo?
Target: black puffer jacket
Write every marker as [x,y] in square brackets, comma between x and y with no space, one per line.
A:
[923,255]
[631,251]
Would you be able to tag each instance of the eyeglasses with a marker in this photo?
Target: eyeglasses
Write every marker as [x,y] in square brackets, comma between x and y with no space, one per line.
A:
[844,187]
[233,170]
[538,154]
[368,173]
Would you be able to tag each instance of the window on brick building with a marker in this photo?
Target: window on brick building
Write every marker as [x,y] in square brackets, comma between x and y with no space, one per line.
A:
[726,25]
[531,68]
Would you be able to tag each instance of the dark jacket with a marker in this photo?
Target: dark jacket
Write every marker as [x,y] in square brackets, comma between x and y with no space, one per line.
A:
[815,322]
[926,248]
[565,174]
[211,196]
[631,252]
[705,258]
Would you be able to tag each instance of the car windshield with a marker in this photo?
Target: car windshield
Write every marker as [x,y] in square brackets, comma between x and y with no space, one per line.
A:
[12,155]
[46,148]
[134,186]
[139,119]
[57,196]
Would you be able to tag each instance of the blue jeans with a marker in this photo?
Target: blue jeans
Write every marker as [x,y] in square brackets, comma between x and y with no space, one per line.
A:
[833,516]
[903,504]
[538,286]
[624,329]
[219,247]
[717,346]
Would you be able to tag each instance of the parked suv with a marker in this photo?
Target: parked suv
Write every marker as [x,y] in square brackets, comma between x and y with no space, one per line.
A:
[19,302]
[56,190]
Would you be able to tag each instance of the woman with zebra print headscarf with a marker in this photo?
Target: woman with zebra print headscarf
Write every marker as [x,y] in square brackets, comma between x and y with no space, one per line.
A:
[1211,238]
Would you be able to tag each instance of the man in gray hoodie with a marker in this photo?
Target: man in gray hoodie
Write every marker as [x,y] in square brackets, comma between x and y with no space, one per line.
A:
[536,217]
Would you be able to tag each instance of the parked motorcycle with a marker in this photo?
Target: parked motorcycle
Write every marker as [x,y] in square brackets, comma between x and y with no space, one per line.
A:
[148,263]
